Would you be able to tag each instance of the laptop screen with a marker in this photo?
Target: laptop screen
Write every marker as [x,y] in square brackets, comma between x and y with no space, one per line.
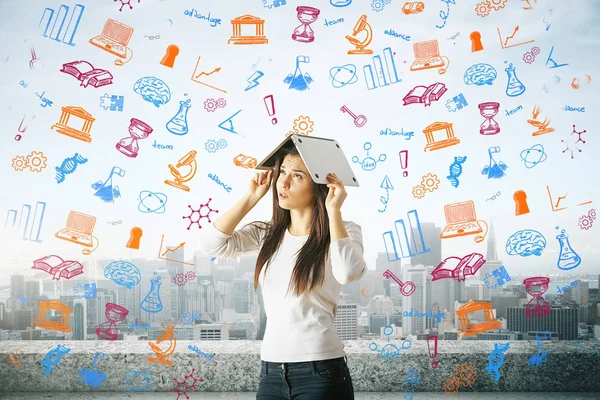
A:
[460,212]
[81,222]
[426,49]
[117,31]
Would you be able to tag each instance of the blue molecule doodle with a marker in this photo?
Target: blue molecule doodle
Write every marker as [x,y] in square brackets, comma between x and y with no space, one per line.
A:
[53,357]
[343,75]
[368,163]
[390,351]
[132,375]
[525,243]
[152,202]
[123,273]
[456,170]
[299,80]
[494,169]
[533,155]
[68,166]
[496,360]
[480,74]
[153,90]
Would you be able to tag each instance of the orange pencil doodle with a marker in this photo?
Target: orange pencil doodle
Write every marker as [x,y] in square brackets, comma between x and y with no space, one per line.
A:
[169,59]
[42,322]
[161,355]
[197,74]
[469,329]
[360,45]
[114,39]
[237,36]
[432,144]
[63,127]
[504,43]
[542,127]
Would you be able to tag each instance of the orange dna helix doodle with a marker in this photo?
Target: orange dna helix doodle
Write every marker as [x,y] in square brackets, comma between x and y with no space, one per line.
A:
[469,329]
[432,144]
[36,161]
[42,322]
[464,375]
[62,125]
[160,354]
[259,36]
[542,127]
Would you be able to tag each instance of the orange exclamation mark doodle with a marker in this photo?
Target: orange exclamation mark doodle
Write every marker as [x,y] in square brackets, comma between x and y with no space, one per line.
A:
[404,161]
[270,104]
[434,363]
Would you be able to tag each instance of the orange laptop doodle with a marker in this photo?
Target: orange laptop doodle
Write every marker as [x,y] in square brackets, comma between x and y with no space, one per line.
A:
[79,229]
[461,221]
[114,38]
[427,55]
[56,266]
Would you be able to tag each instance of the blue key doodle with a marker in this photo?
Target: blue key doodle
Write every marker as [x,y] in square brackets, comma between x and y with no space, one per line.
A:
[106,190]
[53,357]
[368,163]
[68,166]
[456,170]
[299,80]
[390,351]
[496,360]
[494,170]
[153,90]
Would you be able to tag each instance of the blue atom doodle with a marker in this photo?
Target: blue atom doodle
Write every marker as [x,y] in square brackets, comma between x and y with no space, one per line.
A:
[533,155]
[343,75]
[155,204]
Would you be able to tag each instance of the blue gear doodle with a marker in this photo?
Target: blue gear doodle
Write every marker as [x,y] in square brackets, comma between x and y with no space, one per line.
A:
[368,163]
[348,72]
[186,318]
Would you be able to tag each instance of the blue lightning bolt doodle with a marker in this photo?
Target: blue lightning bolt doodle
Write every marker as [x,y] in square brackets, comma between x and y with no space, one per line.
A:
[253,80]
[68,166]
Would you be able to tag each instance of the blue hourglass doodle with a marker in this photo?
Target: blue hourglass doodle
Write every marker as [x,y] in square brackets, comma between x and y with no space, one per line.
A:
[390,351]
[369,163]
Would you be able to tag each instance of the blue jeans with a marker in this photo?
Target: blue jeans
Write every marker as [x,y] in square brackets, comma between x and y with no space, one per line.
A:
[309,380]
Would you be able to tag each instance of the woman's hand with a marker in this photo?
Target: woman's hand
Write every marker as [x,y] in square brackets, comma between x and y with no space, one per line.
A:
[259,185]
[337,194]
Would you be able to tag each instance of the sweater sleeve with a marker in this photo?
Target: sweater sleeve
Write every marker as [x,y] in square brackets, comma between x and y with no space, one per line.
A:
[215,243]
[347,255]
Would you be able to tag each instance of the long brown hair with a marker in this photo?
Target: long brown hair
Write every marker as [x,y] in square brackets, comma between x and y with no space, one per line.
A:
[309,270]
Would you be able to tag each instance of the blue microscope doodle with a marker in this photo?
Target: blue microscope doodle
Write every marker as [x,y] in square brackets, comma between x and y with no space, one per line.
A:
[533,155]
[390,351]
[123,273]
[538,359]
[91,376]
[387,185]
[153,90]
[501,276]
[480,74]
[456,170]
[456,103]
[494,169]
[368,163]
[525,243]
[411,378]
[53,357]
[68,166]
[113,102]
[105,190]
[152,202]
[299,80]
[343,75]
[131,377]
[496,360]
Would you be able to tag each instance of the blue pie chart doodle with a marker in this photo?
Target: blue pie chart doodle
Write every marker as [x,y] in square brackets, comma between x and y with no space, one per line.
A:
[152,202]
[533,155]
[343,75]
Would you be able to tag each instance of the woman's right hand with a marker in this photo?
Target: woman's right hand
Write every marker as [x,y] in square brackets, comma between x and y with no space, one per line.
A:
[259,185]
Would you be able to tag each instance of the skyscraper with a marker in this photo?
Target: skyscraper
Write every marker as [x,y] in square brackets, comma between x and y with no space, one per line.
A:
[431,235]
[416,302]
[491,263]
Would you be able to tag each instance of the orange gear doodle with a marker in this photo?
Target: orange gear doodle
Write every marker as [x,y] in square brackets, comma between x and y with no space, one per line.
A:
[418,192]
[451,386]
[303,125]
[430,182]
[465,373]
[19,163]
[497,5]
[482,9]
[36,161]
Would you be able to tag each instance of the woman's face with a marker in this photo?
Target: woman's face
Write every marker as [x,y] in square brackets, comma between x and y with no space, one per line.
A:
[295,183]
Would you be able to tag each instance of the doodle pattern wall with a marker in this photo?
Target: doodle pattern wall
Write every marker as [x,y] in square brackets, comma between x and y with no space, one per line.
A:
[125,119]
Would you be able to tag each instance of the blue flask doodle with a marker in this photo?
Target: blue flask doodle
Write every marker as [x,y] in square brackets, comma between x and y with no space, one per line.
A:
[152,302]
[567,258]
[178,125]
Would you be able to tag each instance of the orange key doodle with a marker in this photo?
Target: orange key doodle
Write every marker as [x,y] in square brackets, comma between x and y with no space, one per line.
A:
[178,180]
[163,255]
[521,206]
[134,238]
[114,39]
[244,161]
[504,43]
[461,220]
[413,7]
[62,125]
[476,44]
[42,322]
[169,58]
[427,56]
[542,127]
[432,144]
[257,38]
[555,205]
[197,74]
[36,161]
[161,355]
[468,329]
[361,25]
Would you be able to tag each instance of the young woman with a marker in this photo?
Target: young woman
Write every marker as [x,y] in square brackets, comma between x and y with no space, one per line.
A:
[306,253]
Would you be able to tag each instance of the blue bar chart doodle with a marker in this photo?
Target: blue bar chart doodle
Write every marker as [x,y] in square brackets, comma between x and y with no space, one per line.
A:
[408,247]
[36,224]
[59,31]
[386,76]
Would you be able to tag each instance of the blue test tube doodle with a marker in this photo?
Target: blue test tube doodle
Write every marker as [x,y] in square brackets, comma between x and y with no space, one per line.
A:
[390,351]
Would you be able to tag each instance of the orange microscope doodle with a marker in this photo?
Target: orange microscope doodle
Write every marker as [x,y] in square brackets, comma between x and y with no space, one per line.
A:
[36,161]
[259,35]
[542,127]
[178,181]
[42,322]
[361,44]
[469,329]
[161,355]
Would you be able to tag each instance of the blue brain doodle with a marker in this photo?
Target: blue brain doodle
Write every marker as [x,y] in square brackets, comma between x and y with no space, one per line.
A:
[153,90]
[123,273]
[525,243]
[480,74]
[343,75]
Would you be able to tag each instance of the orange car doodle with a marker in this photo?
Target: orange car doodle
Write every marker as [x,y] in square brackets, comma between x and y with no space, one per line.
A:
[237,36]
[114,39]
[63,127]
[163,255]
[554,205]
[42,322]
[504,43]
[36,161]
[542,127]
[432,144]
[79,231]
[178,181]
[197,74]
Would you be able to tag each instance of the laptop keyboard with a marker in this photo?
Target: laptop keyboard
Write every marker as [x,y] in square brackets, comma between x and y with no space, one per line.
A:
[74,234]
[469,226]
[109,44]
[428,61]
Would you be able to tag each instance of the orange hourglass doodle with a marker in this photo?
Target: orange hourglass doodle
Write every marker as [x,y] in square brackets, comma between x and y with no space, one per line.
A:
[161,355]
[114,314]
[536,287]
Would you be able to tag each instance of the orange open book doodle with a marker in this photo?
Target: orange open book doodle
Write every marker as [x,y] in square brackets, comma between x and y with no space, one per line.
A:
[87,74]
[454,267]
[56,266]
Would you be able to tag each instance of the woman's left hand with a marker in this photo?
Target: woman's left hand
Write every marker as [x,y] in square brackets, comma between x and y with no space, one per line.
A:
[337,194]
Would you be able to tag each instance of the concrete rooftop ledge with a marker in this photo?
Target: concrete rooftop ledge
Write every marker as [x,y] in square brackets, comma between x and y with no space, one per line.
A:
[235,366]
